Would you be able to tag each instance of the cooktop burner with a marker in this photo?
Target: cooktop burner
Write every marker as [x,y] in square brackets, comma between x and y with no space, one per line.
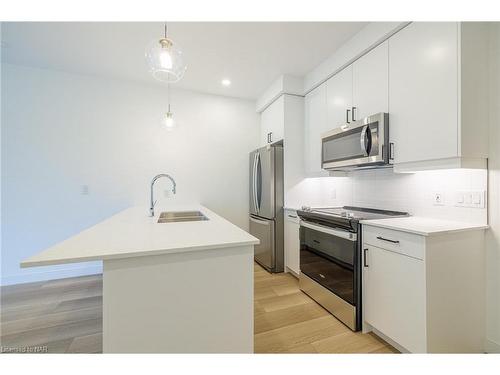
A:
[347,216]
[356,213]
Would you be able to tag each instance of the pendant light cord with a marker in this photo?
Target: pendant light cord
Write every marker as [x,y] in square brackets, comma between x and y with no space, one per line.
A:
[168,96]
[168,84]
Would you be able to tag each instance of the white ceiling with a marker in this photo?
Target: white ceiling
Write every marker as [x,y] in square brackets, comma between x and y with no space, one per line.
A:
[251,55]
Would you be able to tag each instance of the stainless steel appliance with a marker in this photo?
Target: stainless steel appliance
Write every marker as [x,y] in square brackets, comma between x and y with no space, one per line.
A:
[360,144]
[266,206]
[330,258]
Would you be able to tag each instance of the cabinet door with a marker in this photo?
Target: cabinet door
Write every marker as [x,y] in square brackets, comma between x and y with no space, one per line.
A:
[370,77]
[423,91]
[339,98]
[272,122]
[394,297]
[314,125]
[292,242]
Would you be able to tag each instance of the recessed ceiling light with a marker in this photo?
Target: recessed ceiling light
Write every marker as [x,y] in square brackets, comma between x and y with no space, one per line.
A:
[226,82]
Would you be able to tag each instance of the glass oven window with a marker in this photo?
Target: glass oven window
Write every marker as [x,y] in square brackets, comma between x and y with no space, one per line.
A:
[329,260]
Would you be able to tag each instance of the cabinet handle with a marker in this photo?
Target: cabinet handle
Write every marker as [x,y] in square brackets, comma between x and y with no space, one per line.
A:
[347,116]
[353,109]
[292,216]
[391,151]
[364,258]
[268,141]
[271,137]
[386,239]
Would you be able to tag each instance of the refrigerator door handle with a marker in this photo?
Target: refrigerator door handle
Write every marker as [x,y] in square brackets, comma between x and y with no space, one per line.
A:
[254,183]
[262,222]
[258,183]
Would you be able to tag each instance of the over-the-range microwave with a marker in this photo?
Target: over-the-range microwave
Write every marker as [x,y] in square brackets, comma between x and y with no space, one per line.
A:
[360,144]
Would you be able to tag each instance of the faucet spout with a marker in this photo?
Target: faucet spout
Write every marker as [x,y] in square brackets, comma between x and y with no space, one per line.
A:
[153,202]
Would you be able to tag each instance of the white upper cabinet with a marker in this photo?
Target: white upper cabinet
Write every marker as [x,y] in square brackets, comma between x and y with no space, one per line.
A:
[423,91]
[314,125]
[370,82]
[437,94]
[272,122]
[339,98]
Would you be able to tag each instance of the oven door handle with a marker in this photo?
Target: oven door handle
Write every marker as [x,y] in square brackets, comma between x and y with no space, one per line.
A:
[334,232]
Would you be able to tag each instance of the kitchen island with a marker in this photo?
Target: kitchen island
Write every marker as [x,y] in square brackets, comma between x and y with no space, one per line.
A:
[173,287]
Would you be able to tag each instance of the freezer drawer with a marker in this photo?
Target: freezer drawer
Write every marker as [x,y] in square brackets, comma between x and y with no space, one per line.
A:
[264,230]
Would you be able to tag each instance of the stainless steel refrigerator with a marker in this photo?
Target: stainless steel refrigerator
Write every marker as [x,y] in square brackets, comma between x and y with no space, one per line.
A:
[266,206]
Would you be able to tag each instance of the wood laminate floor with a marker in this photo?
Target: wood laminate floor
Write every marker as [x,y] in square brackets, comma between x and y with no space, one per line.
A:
[65,316]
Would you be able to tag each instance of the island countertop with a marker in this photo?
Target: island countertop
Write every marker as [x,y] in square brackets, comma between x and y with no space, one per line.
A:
[132,233]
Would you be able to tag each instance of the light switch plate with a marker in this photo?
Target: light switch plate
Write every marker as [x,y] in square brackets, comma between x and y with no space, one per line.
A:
[470,198]
[84,190]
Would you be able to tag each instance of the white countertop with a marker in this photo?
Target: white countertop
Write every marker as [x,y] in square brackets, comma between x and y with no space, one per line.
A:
[423,226]
[133,233]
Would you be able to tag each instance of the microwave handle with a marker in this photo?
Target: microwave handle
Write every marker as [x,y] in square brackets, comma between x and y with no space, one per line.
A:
[366,140]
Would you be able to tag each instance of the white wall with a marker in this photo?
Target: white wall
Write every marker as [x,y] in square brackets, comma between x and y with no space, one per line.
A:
[61,131]
[493,234]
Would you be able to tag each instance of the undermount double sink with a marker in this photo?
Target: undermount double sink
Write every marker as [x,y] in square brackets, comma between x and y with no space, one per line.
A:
[179,216]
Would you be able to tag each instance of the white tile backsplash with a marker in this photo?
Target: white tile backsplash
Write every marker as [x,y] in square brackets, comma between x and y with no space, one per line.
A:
[317,192]
[384,189]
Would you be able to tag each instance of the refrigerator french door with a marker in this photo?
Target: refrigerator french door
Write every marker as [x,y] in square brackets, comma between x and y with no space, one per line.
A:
[266,206]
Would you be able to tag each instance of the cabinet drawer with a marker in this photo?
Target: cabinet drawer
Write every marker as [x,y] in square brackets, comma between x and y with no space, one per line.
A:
[291,215]
[404,243]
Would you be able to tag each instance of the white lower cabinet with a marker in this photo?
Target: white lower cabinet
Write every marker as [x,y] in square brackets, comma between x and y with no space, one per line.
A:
[395,296]
[424,294]
[292,242]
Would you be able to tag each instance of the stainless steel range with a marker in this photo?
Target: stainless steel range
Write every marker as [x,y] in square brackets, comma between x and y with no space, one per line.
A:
[330,258]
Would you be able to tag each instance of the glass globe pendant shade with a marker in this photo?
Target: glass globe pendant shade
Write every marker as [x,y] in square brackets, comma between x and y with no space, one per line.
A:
[169,122]
[165,60]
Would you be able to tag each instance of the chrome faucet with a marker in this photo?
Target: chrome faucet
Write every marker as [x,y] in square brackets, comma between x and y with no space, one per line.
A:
[153,202]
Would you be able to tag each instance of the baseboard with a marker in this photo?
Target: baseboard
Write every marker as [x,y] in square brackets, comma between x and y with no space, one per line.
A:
[34,275]
[389,340]
[291,272]
[491,346]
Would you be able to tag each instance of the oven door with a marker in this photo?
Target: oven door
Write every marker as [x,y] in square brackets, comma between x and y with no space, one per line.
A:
[361,143]
[327,256]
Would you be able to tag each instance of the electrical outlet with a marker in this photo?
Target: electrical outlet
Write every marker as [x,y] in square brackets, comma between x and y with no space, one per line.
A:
[438,199]
[333,193]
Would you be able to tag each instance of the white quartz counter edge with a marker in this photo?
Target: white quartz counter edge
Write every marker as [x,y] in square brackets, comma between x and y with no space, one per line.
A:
[131,233]
[423,226]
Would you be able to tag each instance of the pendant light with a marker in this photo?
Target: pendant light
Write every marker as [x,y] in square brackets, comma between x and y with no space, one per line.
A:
[165,59]
[168,119]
